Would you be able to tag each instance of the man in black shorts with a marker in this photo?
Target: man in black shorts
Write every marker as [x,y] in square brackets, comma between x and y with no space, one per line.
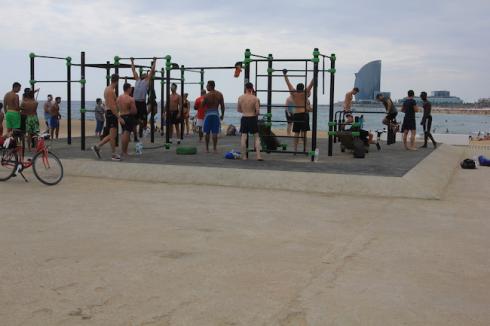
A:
[175,108]
[249,107]
[299,95]
[111,119]
[140,91]
[127,110]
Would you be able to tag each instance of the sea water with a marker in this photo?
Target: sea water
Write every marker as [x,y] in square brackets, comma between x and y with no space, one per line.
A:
[441,123]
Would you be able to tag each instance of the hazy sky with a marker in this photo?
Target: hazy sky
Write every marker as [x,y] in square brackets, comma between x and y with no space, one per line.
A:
[424,45]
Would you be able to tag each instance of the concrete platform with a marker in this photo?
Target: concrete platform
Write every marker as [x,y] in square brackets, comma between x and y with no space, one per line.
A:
[391,172]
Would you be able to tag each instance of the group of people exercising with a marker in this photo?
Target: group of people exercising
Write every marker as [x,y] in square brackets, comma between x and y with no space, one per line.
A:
[130,111]
[409,108]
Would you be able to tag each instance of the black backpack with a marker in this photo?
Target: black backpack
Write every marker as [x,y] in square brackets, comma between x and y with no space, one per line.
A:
[359,148]
[468,164]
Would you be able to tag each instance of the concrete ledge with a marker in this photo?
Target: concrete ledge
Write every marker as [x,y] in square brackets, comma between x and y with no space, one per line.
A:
[427,180]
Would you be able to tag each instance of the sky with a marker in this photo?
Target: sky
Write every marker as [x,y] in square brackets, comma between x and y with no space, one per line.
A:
[424,45]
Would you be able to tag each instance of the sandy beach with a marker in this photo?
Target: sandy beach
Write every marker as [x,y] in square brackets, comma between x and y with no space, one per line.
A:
[107,252]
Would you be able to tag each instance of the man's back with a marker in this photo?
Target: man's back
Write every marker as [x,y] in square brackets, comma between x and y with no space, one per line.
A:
[213,99]
[110,97]
[125,103]
[11,101]
[29,106]
[300,100]
[248,104]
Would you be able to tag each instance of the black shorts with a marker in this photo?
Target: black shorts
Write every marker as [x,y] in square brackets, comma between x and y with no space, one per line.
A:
[409,124]
[301,122]
[142,111]
[249,125]
[391,116]
[173,118]
[129,122]
[289,116]
[110,120]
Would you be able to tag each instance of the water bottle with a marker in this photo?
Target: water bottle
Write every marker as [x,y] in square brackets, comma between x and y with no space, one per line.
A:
[317,153]
[139,148]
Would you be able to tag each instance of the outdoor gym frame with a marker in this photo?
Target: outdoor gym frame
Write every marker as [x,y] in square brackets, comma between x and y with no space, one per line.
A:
[166,80]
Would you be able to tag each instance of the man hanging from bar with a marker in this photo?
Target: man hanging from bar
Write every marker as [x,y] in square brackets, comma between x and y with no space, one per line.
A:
[301,121]
[140,90]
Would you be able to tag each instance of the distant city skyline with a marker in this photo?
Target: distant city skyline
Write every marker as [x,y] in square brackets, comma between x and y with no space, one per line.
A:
[423,45]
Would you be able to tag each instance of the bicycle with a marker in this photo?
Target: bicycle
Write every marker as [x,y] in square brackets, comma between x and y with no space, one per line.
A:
[46,166]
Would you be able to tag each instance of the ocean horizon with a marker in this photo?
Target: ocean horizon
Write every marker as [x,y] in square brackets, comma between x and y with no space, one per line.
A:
[466,124]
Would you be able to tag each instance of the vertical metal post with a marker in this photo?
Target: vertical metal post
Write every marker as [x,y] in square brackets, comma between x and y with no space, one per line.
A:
[246,80]
[82,99]
[162,102]
[116,71]
[108,72]
[182,90]
[269,92]
[32,57]
[68,98]
[168,128]
[153,105]
[315,101]
[202,82]
[332,93]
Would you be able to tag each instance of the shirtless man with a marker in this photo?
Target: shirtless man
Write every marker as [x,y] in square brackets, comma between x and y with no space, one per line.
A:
[54,122]
[12,109]
[140,90]
[301,119]
[249,107]
[289,111]
[349,97]
[201,110]
[47,110]
[175,112]
[127,112]
[213,100]
[29,108]
[111,119]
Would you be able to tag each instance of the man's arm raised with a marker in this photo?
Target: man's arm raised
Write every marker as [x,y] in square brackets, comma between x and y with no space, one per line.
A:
[133,68]
[153,69]
[309,88]
[290,86]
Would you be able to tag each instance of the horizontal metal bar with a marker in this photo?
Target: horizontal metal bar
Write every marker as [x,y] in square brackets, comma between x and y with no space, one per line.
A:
[282,60]
[49,57]
[210,68]
[190,70]
[57,81]
[258,56]
[143,58]
[300,76]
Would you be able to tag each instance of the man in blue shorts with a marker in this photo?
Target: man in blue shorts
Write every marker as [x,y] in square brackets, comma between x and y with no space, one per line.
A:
[213,101]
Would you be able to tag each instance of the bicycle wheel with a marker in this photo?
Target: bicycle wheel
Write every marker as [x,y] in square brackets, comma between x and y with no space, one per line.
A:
[8,163]
[47,168]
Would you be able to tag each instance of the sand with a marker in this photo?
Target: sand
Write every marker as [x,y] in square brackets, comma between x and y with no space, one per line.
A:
[105,252]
